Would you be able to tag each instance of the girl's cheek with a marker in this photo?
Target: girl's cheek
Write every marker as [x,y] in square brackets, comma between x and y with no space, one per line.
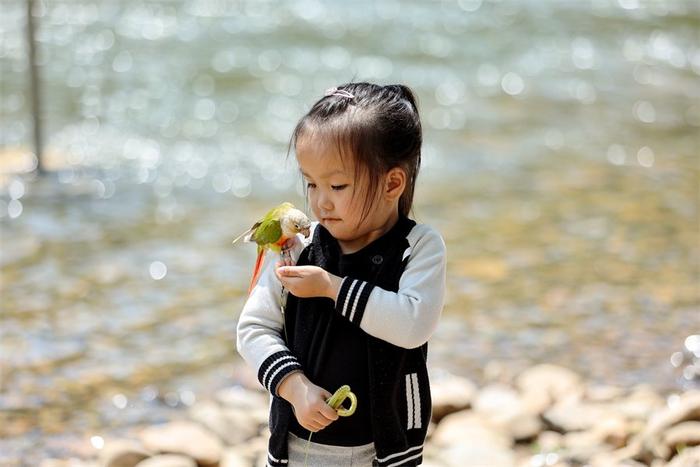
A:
[312,200]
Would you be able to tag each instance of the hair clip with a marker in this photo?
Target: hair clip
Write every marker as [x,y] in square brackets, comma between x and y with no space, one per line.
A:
[334,91]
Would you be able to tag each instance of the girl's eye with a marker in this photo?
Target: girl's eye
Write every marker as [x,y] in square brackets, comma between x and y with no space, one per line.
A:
[310,185]
[338,187]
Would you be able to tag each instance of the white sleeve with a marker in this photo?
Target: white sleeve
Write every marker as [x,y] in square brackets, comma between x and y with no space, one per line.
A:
[260,327]
[408,317]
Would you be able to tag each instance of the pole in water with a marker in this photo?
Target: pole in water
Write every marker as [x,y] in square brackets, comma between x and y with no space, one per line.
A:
[34,83]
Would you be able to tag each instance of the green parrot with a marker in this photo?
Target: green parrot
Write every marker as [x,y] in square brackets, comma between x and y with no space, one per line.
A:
[272,232]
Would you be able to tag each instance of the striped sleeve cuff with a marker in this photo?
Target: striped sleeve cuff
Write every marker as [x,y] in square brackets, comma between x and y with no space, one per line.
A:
[275,368]
[352,299]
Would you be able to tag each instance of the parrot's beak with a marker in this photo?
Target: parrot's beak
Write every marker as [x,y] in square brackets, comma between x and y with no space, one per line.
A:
[306,232]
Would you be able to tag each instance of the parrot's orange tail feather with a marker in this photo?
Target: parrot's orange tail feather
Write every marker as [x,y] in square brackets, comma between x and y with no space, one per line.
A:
[257,270]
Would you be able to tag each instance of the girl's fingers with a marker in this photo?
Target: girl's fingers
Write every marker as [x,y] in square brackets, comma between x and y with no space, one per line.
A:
[290,271]
[320,420]
[314,426]
[318,424]
[328,413]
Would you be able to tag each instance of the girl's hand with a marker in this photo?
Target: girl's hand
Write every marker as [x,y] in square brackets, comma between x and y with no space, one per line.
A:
[308,400]
[308,281]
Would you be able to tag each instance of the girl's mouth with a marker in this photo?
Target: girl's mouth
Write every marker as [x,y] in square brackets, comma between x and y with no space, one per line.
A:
[330,219]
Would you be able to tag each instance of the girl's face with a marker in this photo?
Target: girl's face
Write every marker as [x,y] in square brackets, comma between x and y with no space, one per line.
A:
[335,195]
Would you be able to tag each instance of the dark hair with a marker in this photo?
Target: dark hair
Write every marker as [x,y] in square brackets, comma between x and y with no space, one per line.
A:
[379,126]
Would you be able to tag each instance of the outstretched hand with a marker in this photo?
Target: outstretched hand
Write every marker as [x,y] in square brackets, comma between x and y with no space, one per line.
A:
[308,281]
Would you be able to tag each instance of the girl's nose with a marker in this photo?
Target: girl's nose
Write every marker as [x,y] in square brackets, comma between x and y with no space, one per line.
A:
[324,202]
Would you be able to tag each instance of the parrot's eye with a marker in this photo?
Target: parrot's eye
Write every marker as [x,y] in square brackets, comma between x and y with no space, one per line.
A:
[296,225]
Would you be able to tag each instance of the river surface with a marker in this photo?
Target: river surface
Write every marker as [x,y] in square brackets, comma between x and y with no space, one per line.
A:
[560,164]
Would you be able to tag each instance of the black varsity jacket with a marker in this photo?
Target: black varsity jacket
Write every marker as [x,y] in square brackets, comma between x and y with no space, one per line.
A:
[391,295]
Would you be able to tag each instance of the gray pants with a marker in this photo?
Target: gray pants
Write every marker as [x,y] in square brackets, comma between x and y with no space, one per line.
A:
[323,455]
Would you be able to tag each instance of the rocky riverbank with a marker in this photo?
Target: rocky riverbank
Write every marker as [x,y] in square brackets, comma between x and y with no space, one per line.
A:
[544,416]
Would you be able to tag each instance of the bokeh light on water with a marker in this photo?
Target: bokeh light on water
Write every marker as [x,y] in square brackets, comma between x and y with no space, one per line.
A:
[560,163]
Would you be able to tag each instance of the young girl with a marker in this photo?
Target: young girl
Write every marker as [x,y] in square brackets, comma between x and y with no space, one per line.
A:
[364,296]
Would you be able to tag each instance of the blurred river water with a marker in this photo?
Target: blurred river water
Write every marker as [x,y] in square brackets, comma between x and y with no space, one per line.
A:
[560,164]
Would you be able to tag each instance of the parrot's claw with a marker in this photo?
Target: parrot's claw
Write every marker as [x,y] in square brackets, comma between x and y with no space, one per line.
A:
[286,256]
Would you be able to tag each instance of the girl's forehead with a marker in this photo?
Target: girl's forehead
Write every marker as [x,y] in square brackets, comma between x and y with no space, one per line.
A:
[316,156]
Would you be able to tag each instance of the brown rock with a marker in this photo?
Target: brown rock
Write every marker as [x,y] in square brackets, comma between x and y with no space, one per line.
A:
[618,458]
[506,409]
[525,427]
[613,430]
[122,453]
[554,381]
[477,455]
[451,394]
[233,426]
[455,428]
[640,404]
[581,446]
[686,408]
[168,460]
[574,416]
[186,438]
[603,393]
[467,439]
[536,402]
[499,372]
[499,401]
[550,441]
[234,457]
[71,462]
[687,458]
[605,461]
[684,434]
[254,448]
[595,445]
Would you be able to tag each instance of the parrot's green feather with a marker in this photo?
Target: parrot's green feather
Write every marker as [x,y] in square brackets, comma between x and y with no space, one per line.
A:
[269,231]
[279,211]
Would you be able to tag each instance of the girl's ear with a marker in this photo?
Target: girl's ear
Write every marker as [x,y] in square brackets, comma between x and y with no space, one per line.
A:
[395,183]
